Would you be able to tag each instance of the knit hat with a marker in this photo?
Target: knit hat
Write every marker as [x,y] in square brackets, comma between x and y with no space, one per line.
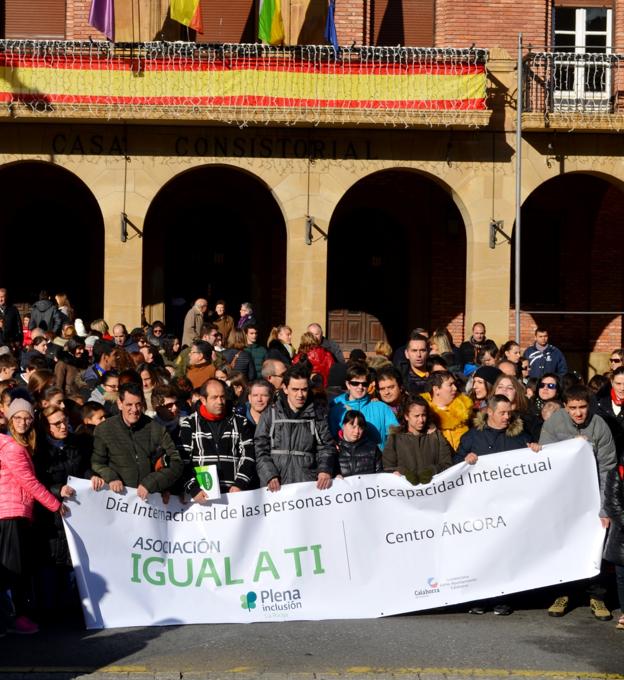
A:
[81,331]
[90,340]
[488,373]
[18,405]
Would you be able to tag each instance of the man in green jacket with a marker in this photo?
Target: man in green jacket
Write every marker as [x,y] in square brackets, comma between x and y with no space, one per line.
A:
[131,449]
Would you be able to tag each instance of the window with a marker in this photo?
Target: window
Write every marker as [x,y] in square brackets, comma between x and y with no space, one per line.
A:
[33,20]
[582,73]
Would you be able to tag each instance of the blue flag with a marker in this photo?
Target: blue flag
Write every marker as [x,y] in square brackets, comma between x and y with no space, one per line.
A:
[330,26]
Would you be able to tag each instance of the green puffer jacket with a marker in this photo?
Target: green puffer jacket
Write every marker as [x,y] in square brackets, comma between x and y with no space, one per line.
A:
[129,454]
[417,456]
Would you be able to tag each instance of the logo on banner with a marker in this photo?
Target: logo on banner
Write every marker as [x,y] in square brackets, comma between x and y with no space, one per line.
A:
[273,602]
[432,587]
[248,601]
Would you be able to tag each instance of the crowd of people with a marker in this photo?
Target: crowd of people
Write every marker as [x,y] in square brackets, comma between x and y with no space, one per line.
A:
[145,408]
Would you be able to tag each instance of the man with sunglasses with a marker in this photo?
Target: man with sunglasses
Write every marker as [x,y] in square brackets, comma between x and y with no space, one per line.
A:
[379,416]
[543,357]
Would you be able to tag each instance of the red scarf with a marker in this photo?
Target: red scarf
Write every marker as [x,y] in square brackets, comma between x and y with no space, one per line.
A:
[615,400]
[205,413]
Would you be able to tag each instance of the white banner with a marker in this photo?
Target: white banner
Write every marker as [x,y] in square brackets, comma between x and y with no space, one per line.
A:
[369,546]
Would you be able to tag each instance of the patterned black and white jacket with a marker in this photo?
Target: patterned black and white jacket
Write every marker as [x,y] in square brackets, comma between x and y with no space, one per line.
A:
[232,451]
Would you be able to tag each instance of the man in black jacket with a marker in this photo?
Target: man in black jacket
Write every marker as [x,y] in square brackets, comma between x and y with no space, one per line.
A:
[11,326]
[293,442]
[469,349]
[45,315]
[496,430]
[211,437]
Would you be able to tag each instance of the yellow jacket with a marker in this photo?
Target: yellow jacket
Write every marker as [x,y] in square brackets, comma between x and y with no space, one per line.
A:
[454,420]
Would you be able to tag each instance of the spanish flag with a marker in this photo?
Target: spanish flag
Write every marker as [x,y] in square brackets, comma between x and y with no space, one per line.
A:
[270,23]
[188,13]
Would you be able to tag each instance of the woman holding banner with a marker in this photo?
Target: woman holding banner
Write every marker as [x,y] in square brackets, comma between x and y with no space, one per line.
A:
[19,489]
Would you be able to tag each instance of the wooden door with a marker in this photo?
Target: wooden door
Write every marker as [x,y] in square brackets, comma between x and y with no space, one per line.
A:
[354,329]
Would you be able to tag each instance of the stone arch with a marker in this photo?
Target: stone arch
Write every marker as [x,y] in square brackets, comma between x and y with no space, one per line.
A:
[52,236]
[215,231]
[571,258]
[399,236]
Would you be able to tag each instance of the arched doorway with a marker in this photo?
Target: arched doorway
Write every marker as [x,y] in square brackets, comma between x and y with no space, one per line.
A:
[52,237]
[397,260]
[571,261]
[215,232]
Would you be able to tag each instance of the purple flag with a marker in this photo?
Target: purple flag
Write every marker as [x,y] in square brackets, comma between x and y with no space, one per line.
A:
[102,17]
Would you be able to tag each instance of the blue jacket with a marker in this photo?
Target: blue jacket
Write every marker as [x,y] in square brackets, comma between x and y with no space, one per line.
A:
[379,416]
[547,360]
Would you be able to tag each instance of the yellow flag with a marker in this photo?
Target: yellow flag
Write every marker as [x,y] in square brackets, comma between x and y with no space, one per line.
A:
[185,12]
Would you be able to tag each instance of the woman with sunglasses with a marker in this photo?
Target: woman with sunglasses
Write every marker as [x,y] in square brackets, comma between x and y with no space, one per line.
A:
[611,408]
[19,489]
[615,361]
[548,389]
[379,416]
[58,457]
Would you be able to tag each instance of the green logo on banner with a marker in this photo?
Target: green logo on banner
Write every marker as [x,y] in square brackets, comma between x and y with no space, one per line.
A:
[204,478]
[249,601]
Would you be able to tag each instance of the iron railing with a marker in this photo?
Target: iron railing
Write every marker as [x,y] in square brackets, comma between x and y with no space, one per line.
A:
[241,82]
[573,82]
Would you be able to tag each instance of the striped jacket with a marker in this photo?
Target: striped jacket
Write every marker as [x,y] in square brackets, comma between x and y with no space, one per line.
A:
[233,454]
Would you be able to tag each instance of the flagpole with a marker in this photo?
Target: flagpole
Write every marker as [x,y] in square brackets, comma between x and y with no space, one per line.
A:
[519,105]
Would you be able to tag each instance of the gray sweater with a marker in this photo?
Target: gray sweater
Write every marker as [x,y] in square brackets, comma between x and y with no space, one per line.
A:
[560,427]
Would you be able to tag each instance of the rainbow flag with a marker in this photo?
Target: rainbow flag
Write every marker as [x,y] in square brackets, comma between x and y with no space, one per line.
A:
[270,23]
[188,13]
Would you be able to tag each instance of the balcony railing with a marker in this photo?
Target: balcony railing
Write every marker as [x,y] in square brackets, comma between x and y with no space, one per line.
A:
[574,89]
[243,83]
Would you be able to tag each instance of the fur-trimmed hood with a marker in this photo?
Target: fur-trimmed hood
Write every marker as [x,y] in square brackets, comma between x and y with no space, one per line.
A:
[515,427]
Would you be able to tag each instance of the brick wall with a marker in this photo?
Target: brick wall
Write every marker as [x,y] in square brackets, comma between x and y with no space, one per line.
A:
[78,21]
[350,20]
[495,23]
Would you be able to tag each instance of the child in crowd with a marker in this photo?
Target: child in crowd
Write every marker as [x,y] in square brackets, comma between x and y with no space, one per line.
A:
[417,449]
[357,452]
[549,408]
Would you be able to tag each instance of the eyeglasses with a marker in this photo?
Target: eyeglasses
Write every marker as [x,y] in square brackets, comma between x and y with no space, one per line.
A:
[58,423]
[359,383]
[23,419]
[550,386]
[170,407]
[615,360]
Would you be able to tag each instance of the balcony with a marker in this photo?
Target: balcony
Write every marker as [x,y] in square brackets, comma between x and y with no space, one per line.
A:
[243,83]
[573,91]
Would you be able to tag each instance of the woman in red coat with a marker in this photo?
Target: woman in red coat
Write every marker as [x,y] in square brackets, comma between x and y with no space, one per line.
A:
[320,358]
[19,489]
